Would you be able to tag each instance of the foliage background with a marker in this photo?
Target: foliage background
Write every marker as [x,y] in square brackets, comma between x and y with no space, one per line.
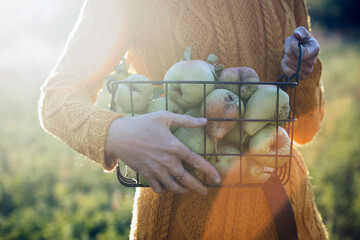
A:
[48,191]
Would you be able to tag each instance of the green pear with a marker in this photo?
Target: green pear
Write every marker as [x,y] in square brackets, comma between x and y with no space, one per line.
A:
[265,142]
[262,106]
[228,166]
[223,142]
[141,94]
[240,74]
[119,110]
[131,115]
[189,95]
[159,104]
[233,136]
[193,138]
[221,104]
[194,112]
[256,173]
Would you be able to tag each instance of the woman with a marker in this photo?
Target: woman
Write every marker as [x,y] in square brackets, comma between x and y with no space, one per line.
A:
[155,34]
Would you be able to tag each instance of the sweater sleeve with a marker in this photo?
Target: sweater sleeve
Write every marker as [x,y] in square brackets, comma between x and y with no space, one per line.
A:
[310,101]
[67,107]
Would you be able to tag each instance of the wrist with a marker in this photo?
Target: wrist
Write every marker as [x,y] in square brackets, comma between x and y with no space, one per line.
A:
[110,159]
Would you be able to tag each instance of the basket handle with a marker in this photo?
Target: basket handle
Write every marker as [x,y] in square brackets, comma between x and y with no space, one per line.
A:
[296,74]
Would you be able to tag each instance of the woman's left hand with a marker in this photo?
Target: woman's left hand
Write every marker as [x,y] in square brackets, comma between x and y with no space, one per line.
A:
[310,51]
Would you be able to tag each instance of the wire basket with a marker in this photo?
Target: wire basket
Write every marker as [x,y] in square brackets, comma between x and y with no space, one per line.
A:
[279,175]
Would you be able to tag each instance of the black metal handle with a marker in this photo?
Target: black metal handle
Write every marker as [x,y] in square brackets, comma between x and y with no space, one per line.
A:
[285,78]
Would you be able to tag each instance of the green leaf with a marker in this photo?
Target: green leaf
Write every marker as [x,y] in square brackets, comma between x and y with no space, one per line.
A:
[121,67]
[212,59]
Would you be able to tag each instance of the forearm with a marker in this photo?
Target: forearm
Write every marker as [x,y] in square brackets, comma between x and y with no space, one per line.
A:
[67,104]
[310,106]
[70,116]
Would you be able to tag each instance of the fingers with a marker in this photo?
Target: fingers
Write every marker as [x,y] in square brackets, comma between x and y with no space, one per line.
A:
[291,48]
[178,149]
[301,33]
[171,184]
[311,47]
[155,185]
[186,121]
[310,50]
[289,68]
[176,179]
[191,182]
[202,164]
[289,65]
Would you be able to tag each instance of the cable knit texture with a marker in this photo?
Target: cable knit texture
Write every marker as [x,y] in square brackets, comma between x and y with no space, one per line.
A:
[155,33]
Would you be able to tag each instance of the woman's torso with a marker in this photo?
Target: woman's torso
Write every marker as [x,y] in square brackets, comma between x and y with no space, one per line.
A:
[240,33]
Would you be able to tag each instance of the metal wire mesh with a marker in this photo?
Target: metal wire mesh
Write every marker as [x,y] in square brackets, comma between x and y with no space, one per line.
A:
[288,84]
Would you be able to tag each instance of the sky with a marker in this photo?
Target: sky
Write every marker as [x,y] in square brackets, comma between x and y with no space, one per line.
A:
[32,36]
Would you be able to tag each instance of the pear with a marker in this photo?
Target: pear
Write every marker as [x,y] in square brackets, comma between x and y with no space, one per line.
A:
[228,166]
[262,106]
[240,74]
[256,173]
[265,142]
[159,104]
[131,115]
[141,94]
[233,136]
[193,138]
[189,95]
[223,142]
[194,112]
[119,110]
[221,104]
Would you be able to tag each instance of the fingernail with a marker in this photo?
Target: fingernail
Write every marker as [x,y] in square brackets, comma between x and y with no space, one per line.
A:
[299,33]
[202,120]
[217,180]
[204,192]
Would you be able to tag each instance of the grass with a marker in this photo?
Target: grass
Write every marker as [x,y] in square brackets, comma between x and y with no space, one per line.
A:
[334,155]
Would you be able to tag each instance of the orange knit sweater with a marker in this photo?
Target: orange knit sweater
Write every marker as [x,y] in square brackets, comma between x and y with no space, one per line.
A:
[155,33]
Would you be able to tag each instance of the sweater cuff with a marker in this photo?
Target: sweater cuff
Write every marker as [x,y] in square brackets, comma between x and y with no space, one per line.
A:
[97,131]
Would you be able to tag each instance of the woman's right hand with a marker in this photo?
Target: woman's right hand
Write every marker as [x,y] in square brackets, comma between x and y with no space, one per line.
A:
[146,144]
